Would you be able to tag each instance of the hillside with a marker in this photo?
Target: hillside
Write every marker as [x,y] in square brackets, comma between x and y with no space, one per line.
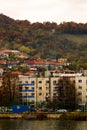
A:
[46,40]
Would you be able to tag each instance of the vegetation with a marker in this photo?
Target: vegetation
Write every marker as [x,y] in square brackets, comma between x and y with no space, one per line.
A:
[47,40]
[9,92]
[67,94]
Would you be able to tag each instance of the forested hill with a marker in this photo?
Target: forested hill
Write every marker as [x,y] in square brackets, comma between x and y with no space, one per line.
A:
[46,40]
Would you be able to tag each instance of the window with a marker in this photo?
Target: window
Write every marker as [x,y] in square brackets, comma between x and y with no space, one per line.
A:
[55,87]
[40,82]
[47,81]
[26,82]
[54,82]
[32,82]
[26,88]
[79,93]
[32,88]
[20,82]
[40,94]
[54,94]
[40,88]
[32,94]
[80,87]
[80,81]
[26,94]
[20,88]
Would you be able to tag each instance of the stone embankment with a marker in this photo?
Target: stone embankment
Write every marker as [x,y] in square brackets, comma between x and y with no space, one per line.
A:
[41,115]
[74,116]
[30,115]
[10,116]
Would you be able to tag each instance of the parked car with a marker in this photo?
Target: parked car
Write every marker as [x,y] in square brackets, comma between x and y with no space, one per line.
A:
[61,110]
[78,110]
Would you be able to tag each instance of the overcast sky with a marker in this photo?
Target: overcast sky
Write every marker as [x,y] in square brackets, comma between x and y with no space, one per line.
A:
[45,10]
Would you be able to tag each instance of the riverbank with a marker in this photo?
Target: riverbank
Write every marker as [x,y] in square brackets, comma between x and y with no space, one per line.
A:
[30,115]
[41,116]
[10,116]
[74,116]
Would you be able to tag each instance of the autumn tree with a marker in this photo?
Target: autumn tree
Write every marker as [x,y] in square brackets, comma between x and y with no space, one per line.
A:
[67,93]
[9,89]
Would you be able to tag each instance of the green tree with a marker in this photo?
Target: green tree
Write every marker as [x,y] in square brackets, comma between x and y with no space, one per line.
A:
[24,49]
[11,56]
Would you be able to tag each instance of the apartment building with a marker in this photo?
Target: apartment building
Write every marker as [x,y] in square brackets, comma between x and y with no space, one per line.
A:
[81,88]
[34,91]
[27,90]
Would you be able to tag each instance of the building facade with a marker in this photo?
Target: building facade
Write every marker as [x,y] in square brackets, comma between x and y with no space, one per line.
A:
[35,91]
[81,88]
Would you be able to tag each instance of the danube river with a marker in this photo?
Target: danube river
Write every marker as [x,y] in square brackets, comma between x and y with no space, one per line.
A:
[13,124]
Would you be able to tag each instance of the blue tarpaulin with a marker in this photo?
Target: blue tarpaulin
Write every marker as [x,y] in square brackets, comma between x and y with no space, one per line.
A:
[20,108]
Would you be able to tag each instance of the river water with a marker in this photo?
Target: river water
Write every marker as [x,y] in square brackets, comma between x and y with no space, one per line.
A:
[41,125]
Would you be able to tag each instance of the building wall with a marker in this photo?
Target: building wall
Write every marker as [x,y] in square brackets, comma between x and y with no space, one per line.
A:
[84,72]
[81,87]
[27,90]
[42,90]
[53,87]
[34,91]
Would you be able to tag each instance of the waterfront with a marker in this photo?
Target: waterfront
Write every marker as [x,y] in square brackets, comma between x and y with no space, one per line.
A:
[19,124]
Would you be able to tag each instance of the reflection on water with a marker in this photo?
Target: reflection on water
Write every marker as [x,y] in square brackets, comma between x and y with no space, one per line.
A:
[42,125]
